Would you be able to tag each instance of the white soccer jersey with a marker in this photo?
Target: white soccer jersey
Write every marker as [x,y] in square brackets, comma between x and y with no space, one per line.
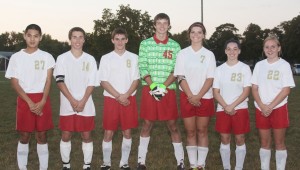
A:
[231,80]
[196,67]
[30,69]
[79,74]
[270,79]
[119,71]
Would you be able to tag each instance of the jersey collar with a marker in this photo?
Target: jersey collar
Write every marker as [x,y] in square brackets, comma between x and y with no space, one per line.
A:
[165,41]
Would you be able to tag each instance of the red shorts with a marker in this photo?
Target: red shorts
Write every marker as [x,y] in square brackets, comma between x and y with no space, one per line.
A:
[76,123]
[237,124]
[114,114]
[28,121]
[206,109]
[278,119]
[165,109]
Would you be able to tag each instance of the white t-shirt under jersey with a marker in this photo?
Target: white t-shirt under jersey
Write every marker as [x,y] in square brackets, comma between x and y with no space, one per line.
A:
[231,80]
[79,74]
[119,71]
[30,69]
[196,66]
[270,79]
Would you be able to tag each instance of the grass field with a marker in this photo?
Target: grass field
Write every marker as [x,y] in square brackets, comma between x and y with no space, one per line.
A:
[160,155]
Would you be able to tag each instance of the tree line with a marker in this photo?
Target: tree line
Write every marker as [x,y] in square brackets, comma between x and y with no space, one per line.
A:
[139,26]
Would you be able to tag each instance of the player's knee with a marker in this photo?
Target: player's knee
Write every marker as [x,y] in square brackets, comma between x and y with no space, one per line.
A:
[24,138]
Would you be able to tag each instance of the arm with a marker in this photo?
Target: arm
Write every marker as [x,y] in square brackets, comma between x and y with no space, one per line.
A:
[82,102]
[40,104]
[206,86]
[280,97]
[230,108]
[64,89]
[266,111]
[219,98]
[111,90]
[21,93]
[124,97]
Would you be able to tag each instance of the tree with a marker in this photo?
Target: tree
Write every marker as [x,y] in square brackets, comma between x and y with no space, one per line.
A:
[252,43]
[52,46]
[182,39]
[291,40]
[223,33]
[138,25]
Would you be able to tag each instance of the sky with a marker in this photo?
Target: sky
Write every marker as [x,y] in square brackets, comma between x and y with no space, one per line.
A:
[57,17]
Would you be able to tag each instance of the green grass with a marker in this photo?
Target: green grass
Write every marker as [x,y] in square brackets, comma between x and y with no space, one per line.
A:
[160,155]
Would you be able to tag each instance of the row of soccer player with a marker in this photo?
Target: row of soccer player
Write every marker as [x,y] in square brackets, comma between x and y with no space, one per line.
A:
[160,62]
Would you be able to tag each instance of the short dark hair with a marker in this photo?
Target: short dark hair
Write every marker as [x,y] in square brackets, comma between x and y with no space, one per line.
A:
[76,29]
[161,16]
[119,30]
[33,27]
[232,41]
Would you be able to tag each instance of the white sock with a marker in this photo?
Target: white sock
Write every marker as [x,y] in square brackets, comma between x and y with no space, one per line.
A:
[106,150]
[281,156]
[225,155]
[143,149]
[240,154]
[192,155]
[22,155]
[65,150]
[126,148]
[265,156]
[179,153]
[43,154]
[87,149]
[202,153]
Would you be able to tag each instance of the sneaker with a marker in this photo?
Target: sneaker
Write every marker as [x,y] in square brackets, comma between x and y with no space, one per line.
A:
[125,167]
[180,166]
[88,168]
[65,168]
[105,167]
[141,167]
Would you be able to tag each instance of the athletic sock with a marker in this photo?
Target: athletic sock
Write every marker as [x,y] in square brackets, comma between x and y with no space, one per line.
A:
[192,155]
[240,154]
[22,155]
[225,155]
[43,154]
[281,156]
[178,152]
[265,156]
[126,148]
[106,150]
[65,150]
[202,154]
[87,149]
[143,149]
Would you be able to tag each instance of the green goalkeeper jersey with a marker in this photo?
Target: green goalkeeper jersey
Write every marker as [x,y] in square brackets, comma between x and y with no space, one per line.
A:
[158,60]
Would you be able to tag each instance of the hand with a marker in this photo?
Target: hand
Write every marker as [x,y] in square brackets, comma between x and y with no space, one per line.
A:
[74,103]
[157,91]
[266,110]
[229,109]
[39,107]
[80,106]
[123,99]
[194,100]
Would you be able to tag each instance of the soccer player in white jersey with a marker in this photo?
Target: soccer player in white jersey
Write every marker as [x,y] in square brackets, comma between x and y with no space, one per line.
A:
[231,89]
[119,76]
[271,83]
[75,75]
[195,66]
[30,71]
